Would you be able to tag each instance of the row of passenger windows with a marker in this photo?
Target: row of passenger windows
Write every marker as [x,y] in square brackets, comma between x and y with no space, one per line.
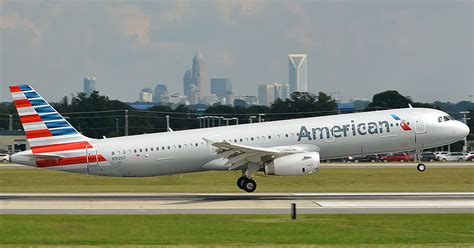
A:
[257,138]
[151,149]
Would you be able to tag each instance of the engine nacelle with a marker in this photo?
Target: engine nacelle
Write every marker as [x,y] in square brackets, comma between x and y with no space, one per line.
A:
[294,165]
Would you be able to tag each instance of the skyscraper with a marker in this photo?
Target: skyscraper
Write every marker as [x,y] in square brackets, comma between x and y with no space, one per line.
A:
[161,94]
[89,85]
[187,82]
[221,87]
[195,77]
[298,78]
[199,75]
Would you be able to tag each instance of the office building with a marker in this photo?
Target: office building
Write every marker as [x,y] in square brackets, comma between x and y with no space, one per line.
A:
[89,85]
[268,93]
[222,88]
[161,94]
[146,95]
[298,78]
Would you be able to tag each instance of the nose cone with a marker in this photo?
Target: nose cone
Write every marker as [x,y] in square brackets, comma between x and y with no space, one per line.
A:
[462,130]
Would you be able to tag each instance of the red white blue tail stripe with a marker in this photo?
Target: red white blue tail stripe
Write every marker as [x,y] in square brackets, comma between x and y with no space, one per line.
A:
[48,132]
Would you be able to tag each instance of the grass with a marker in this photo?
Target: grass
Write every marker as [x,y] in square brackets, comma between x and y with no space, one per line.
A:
[342,230]
[327,180]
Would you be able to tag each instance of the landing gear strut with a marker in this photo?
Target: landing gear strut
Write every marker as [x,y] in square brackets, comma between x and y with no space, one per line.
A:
[420,167]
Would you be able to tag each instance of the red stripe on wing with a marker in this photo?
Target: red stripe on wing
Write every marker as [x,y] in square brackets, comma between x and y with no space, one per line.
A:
[30,118]
[38,134]
[70,161]
[60,147]
[15,89]
[22,103]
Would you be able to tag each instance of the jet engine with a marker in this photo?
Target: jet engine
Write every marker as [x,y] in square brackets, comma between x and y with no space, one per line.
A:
[293,165]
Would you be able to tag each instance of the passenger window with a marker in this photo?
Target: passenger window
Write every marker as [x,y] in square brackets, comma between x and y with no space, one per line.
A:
[141,150]
[251,139]
[169,147]
[197,144]
[151,149]
[162,148]
[286,135]
[113,153]
[269,137]
[179,146]
[146,149]
[235,140]
[157,148]
[135,150]
[240,140]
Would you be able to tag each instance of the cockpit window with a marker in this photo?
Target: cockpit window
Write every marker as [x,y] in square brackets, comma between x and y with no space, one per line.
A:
[446,118]
[440,119]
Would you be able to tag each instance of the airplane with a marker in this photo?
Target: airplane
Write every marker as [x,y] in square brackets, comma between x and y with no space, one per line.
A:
[281,148]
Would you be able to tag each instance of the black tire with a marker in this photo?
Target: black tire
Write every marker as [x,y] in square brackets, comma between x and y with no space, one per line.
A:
[444,160]
[240,182]
[250,185]
[460,160]
[421,167]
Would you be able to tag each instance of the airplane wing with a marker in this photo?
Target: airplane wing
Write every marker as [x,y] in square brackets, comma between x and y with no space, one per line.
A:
[238,156]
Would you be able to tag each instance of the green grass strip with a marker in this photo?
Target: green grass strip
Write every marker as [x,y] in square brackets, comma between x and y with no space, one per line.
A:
[327,180]
[254,230]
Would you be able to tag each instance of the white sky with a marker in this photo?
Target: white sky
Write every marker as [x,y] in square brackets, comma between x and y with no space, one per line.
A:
[423,49]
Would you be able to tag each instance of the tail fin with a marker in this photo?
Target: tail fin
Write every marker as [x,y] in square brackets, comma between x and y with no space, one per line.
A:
[46,130]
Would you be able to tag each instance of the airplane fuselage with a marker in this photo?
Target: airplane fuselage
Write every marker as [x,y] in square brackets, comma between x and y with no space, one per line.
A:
[335,136]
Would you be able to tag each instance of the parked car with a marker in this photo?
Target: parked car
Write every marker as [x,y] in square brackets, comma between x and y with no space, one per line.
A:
[455,156]
[440,155]
[365,158]
[469,156]
[428,156]
[396,157]
[4,157]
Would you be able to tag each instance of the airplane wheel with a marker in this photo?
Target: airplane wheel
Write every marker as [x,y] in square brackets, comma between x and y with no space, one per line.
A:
[250,185]
[240,182]
[421,167]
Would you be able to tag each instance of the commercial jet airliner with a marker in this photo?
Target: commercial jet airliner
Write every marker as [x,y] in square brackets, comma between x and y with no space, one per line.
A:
[282,148]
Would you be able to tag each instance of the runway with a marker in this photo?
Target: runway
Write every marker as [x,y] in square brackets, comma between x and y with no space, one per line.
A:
[235,203]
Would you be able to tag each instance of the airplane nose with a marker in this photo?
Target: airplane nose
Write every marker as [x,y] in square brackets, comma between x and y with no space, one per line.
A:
[463,130]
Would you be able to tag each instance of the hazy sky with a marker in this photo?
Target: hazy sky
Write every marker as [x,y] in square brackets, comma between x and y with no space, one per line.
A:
[423,49]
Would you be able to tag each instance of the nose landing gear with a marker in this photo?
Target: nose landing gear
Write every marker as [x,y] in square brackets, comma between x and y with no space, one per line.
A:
[420,167]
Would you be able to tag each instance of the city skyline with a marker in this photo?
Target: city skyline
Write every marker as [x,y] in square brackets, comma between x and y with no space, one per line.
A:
[355,48]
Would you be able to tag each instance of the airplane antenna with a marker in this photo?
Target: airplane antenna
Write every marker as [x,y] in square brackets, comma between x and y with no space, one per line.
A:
[409,105]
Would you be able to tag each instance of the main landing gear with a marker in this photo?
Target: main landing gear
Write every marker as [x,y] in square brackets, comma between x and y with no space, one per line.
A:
[420,167]
[247,184]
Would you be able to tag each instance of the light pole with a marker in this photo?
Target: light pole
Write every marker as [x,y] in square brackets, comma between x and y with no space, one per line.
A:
[465,113]
[126,122]
[116,125]
[10,122]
